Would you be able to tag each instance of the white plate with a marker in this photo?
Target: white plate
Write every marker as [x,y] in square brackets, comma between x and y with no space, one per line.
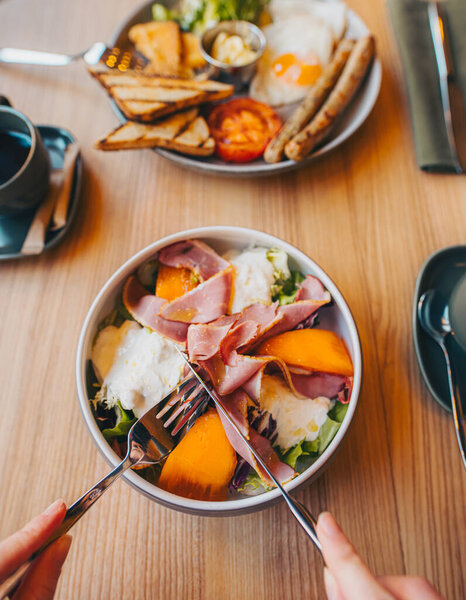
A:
[353,117]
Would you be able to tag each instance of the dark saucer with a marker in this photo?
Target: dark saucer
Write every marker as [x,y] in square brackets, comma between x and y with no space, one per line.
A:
[13,230]
[441,271]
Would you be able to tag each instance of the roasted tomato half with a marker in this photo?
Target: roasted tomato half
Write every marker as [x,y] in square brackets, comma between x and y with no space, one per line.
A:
[242,128]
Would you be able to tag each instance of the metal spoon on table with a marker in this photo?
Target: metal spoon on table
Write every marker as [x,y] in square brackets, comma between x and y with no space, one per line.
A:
[434,317]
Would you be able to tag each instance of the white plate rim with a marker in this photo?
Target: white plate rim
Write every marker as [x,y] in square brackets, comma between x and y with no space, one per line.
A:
[250,503]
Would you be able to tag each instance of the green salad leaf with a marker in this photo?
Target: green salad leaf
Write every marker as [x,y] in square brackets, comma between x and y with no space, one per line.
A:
[198,15]
[116,318]
[286,284]
[301,456]
[162,13]
[253,484]
[125,420]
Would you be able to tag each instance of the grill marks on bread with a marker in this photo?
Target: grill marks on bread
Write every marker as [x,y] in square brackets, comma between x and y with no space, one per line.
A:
[185,132]
[146,98]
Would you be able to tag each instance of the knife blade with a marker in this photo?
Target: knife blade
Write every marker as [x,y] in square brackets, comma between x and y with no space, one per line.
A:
[450,92]
[298,510]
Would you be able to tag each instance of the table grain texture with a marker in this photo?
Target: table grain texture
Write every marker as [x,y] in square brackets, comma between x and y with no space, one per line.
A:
[365,213]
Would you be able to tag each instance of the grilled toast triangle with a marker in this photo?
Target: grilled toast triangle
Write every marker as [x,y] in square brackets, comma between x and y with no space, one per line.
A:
[185,132]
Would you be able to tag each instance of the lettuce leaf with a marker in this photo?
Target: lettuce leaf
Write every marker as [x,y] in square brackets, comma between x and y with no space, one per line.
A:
[253,485]
[301,456]
[116,318]
[285,291]
[286,284]
[125,420]
[198,15]
[161,13]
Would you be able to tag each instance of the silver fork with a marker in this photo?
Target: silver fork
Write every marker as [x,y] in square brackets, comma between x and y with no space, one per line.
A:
[150,440]
[114,58]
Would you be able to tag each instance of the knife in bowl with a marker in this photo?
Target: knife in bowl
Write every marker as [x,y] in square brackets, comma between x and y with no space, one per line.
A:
[298,510]
[452,98]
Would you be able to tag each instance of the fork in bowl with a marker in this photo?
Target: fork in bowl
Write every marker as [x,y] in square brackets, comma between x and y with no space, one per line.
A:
[150,440]
[113,58]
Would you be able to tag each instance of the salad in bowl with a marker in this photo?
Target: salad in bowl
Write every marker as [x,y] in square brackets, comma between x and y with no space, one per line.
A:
[270,332]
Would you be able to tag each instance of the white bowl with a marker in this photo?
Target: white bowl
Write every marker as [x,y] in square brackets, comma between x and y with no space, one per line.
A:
[338,318]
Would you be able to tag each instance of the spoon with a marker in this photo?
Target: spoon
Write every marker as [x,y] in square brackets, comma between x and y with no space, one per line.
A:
[433,314]
[457,310]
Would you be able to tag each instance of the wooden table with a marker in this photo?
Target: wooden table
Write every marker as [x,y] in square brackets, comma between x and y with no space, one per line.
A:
[365,213]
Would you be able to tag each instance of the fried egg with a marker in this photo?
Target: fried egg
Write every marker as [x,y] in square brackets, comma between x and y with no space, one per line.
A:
[334,14]
[297,50]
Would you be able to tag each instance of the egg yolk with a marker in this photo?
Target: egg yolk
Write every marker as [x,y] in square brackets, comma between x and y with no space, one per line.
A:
[298,71]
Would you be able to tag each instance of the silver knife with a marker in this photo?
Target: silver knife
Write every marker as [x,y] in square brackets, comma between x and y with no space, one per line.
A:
[300,512]
[452,98]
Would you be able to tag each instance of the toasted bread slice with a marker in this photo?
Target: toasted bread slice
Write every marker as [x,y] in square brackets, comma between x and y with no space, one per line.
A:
[191,51]
[160,42]
[185,132]
[110,78]
[146,98]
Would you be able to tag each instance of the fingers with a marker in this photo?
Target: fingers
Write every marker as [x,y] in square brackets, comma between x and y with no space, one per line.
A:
[41,579]
[18,547]
[331,586]
[406,588]
[350,574]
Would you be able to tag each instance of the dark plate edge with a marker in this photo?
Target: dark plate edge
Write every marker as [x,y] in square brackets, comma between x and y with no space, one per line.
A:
[74,196]
[416,326]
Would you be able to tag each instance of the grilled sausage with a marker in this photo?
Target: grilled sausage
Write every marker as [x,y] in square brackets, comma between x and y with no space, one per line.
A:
[358,62]
[309,106]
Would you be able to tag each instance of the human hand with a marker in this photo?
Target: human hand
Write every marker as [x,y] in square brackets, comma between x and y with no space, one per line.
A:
[41,579]
[347,577]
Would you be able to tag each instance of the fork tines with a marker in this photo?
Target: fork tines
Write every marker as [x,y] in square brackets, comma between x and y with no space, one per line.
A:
[123,60]
[182,407]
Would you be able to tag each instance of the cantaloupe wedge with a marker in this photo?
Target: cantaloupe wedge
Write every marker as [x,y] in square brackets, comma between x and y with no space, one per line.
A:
[202,464]
[173,282]
[310,349]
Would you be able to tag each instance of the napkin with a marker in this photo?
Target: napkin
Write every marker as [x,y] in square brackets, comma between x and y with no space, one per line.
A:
[412,32]
[52,213]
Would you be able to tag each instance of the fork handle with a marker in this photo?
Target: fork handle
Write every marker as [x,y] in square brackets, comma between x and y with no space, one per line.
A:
[33,57]
[73,514]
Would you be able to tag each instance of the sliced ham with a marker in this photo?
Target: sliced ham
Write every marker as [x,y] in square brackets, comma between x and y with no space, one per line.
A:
[292,315]
[236,406]
[204,339]
[227,379]
[194,255]
[206,302]
[319,384]
[238,336]
[312,289]
[145,308]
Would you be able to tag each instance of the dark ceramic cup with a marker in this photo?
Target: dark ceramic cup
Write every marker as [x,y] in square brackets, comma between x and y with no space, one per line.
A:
[24,162]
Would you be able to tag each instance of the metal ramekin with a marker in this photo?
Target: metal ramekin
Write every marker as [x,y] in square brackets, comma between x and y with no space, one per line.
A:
[236,76]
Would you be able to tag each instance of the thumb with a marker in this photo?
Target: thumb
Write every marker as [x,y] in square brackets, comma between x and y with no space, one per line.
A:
[41,579]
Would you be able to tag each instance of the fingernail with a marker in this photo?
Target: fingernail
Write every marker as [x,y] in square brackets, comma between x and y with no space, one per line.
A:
[53,508]
[328,524]
[331,586]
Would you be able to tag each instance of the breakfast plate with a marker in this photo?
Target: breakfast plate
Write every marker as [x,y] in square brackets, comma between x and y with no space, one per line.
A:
[353,117]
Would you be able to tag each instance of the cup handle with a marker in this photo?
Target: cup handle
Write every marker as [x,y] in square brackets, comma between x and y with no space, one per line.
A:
[4,101]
